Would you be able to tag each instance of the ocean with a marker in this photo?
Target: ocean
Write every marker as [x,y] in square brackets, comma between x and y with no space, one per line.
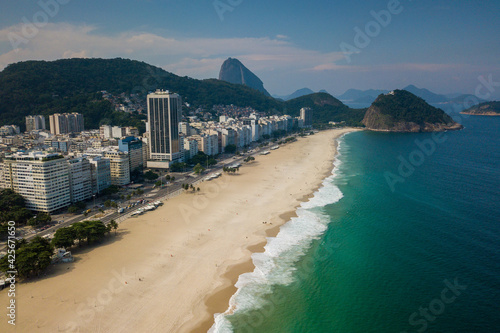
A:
[403,237]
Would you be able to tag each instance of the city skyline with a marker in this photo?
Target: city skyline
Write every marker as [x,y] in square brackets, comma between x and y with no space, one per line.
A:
[443,46]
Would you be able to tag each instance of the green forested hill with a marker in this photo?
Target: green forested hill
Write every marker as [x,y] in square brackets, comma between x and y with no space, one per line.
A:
[325,108]
[73,85]
[402,111]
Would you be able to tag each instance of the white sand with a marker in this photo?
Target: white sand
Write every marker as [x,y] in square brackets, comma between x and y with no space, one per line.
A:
[171,269]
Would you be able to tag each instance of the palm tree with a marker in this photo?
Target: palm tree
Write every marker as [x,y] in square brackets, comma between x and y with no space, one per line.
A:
[198,169]
[113,225]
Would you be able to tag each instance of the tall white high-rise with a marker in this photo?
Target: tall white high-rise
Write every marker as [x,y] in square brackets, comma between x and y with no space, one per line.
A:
[306,116]
[164,115]
[42,179]
[35,123]
[66,123]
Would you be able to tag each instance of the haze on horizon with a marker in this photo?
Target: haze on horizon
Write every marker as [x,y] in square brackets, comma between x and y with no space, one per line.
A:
[441,45]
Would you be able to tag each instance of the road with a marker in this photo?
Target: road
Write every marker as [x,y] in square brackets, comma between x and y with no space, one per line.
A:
[162,192]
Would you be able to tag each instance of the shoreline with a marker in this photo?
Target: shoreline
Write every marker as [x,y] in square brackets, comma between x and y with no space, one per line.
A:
[173,268]
[218,302]
[488,114]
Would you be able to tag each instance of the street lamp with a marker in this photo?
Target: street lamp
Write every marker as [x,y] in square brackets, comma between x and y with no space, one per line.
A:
[93,195]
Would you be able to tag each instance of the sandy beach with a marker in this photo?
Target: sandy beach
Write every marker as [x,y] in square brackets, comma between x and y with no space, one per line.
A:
[172,269]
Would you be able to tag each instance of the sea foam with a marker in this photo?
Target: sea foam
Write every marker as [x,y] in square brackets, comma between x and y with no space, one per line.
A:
[276,265]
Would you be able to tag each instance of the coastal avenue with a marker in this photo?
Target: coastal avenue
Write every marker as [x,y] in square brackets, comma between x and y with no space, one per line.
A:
[160,193]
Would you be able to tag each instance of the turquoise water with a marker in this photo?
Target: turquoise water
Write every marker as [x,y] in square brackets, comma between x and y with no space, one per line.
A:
[385,250]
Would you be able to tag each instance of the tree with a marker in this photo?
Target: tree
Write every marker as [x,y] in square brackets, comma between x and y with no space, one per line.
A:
[177,167]
[112,189]
[230,149]
[113,225]
[150,175]
[198,169]
[40,219]
[94,231]
[73,209]
[158,183]
[64,237]
[212,161]
[31,258]
[80,234]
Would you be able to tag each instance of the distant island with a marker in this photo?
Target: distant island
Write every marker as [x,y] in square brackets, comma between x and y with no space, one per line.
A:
[402,111]
[484,109]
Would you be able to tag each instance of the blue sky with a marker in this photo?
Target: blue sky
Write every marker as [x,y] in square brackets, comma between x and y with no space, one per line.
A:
[441,45]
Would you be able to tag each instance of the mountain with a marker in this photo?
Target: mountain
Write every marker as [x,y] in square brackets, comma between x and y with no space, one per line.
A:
[74,85]
[402,111]
[426,94]
[233,71]
[297,93]
[484,109]
[365,100]
[361,95]
[325,108]
[465,99]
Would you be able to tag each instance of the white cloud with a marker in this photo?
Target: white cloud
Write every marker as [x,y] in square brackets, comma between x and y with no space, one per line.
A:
[197,57]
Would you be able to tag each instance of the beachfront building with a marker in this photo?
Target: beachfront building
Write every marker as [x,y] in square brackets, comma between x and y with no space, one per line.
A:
[207,143]
[119,164]
[41,178]
[35,123]
[80,180]
[228,137]
[244,136]
[164,115]
[306,116]
[66,123]
[190,148]
[253,123]
[133,147]
[100,169]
